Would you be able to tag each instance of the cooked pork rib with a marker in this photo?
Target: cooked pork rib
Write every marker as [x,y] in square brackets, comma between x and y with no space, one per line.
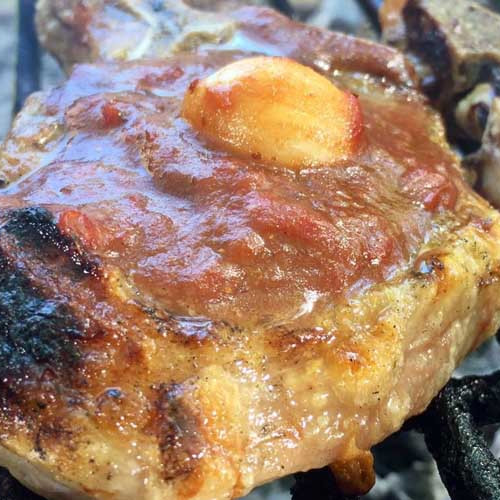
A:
[95,30]
[183,315]
[445,35]
[457,46]
[76,31]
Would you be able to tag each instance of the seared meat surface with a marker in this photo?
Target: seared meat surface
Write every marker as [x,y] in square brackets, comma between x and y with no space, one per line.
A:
[185,317]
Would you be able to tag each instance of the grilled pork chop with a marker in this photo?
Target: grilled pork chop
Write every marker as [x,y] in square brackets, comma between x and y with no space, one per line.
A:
[217,269]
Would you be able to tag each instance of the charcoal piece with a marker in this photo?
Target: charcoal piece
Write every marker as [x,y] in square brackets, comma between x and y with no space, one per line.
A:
[317,484]
[10,489]
[451,426]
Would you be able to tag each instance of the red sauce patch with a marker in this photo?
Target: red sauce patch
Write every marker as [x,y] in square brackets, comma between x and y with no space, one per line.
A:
[111,115]
[200,232]
[432,189]
[165,78]
[77,224]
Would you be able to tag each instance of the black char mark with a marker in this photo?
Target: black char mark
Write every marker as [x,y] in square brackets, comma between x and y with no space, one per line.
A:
[35,332]
[35,226]
[177,430]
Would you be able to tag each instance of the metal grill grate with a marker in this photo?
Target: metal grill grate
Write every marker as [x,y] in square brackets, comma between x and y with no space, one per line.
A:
[452,425]
[28,54]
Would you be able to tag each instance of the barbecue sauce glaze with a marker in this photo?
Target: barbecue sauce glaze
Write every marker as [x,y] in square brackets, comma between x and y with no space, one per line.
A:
[198,231]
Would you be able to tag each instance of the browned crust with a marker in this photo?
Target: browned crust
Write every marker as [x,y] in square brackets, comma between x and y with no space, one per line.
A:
[178,430]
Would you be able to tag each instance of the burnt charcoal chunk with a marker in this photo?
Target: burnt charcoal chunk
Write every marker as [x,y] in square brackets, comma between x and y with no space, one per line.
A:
[317,484]
[10,489]
[452,428]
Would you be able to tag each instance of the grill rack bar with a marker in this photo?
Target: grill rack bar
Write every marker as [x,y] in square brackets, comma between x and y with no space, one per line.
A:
[28,54]
[371,8]
[452,429]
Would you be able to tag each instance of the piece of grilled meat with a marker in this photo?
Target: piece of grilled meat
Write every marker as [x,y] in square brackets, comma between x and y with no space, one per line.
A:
[443,36]
[123,30]
[76,31]
[456,44]
[185,315]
